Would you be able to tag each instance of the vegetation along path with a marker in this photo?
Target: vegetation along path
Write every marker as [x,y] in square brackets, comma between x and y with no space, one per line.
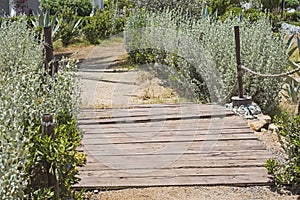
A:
[132,144]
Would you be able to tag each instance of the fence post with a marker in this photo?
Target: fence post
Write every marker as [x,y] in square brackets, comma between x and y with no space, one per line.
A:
[240,99]
[238,61]
[49,56]
[48,129]
[299,107]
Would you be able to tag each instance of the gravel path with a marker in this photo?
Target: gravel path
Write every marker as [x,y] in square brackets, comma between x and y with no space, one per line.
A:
[100,83]
[103,86]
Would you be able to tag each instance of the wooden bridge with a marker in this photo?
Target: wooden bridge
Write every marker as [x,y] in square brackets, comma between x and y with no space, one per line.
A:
[169,145]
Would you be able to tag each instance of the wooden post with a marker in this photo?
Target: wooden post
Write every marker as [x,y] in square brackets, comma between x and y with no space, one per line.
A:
[240,99]
[299,108]
[49,56]
[238,61]
[48,129]
[282,8]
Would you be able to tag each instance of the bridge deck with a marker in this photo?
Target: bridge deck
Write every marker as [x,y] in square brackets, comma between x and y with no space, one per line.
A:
[169,145]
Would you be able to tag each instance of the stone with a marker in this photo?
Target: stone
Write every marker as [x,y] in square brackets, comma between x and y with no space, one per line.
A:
[264,118]
[257,125]
[273,127]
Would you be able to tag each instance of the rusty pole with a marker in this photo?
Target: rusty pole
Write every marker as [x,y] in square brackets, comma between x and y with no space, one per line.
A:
[48,129]
[238,61]
[49,56]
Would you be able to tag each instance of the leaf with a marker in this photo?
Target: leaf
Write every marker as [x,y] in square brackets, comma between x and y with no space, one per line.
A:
[47,19]
[290,53]
[298,42]
[41,20]
[76,25]
[290,41]
[54,20]
[293,64]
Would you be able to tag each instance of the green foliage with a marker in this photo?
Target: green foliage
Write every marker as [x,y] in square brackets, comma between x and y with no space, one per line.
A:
[18,54]
[253,15]
[291,3]
[293,17]
[287,173]
[60,151]
[192,6]
[44,20]
[69,26]
[212,42]
[270,5]
[103,24]
[291,90]
[222,6]
[26,93]
[80,7]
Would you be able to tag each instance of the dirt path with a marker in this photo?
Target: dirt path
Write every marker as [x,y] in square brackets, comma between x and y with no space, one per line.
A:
[100,83]
[104,86]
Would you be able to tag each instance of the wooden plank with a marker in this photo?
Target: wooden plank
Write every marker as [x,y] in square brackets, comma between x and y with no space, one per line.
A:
[166,145]
[235,180]
[166,137]
[204,163]
[175,172]
[204,155]
[192,144]
[217,123]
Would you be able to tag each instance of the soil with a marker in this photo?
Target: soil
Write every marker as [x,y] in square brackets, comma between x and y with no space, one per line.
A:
[106,83]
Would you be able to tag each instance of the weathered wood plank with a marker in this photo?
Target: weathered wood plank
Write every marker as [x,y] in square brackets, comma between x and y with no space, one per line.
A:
[204,163]
[122,139]
[170,144]
[191,144]
[238,180]
[175,172]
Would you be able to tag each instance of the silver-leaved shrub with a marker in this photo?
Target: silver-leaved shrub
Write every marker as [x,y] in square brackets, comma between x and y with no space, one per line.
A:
[26,93]
[202,50]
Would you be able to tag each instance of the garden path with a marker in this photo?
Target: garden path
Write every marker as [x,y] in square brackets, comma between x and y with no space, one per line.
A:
[129,145]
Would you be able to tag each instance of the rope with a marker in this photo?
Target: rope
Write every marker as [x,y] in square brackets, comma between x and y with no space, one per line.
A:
[231,91]
[270,75]
[261,75]
[48,45]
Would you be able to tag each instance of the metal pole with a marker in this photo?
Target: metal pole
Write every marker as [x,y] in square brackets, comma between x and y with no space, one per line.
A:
[282,9]
[299,108]
[48,129]
[238,60]
[49,56]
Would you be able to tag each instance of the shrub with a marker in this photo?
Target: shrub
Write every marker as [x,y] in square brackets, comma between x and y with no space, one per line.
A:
[260,50]
[68,26]
[287,172]
[103,24]
[294,17]
[80,7]
[222,6]
[291,3]
[26,93]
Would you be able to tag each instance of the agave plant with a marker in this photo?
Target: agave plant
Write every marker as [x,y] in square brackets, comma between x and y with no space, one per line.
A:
[43,20]
[291,90]
[292,87]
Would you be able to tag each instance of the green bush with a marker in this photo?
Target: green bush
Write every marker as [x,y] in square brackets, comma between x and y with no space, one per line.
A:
[26,93]
[103,24]
[192,6]
[291,3]
[222,6]
[287,172]
[294,17]
[69,26]
[212,48]
[80,7]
